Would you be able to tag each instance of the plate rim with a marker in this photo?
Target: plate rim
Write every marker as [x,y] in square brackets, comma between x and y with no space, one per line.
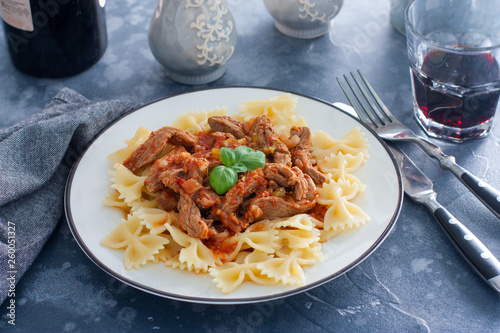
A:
[229,301]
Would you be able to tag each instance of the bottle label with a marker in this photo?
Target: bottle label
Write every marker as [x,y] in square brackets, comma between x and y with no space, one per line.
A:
[17,13]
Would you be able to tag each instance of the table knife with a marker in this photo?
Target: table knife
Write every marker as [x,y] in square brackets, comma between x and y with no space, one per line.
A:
[420,188]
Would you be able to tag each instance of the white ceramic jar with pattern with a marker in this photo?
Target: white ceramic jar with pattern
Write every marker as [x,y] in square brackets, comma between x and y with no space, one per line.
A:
[303,18]
[193,39]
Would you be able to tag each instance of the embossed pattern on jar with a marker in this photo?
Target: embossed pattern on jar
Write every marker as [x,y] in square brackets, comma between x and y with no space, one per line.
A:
[303,18]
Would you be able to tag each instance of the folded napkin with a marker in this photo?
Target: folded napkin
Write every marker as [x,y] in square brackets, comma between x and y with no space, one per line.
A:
[35,159]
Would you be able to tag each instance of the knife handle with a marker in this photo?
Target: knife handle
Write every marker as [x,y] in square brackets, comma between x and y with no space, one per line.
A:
[470,247]
[486,193]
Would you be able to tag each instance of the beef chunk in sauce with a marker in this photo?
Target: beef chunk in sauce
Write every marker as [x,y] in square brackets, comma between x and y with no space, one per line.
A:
[227,125]
[301,157]
[263,137]
[156,144]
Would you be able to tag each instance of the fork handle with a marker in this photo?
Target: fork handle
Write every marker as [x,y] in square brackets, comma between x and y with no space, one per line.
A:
[486,193]
[469,246]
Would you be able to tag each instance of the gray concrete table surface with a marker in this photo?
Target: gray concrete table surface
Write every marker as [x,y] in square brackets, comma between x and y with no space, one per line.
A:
[414,282]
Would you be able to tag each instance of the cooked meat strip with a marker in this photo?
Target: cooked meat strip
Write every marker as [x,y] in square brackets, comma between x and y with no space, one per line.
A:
[303,186]
[301,157]
[305,189]
[263,137]
[190,217]
[217,236]
[227,124]
[247,185]
[170,165]
[272,207]
[189,167]
[167,200]
[281,174]
[177,164]
[203,197]
[209,141]
[156,144]
[206,198]
[190,186]
[282,157]
[301,200]
[196,168]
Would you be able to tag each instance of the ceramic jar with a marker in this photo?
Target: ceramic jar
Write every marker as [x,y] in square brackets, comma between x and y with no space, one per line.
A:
[303,18]
[193,39]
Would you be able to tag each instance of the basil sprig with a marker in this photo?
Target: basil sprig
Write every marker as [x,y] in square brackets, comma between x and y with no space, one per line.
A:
[241,159]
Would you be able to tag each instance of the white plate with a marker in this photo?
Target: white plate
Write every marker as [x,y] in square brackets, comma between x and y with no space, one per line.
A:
[89,220]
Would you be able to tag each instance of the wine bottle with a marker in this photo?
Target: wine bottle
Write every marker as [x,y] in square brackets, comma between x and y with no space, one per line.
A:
[54,38]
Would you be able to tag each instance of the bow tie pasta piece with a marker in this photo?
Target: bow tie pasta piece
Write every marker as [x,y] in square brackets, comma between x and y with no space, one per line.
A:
[287,269]
[143,203]
[341,188]
[170,250]
[265,241]
[113,200]
[231,275]
[141,135]
[353,143]
[341,212]
[127,183]
[341,166]
[279,109]
[299,221]
[174,262]
[155,219]
[274,107]
[170,256]
[298,239]
[197,121]
[325,235]
[195,254]
[283,270]
[308,255]
[139,248]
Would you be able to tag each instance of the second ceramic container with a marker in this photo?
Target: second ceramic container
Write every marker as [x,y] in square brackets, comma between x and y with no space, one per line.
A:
[303,18]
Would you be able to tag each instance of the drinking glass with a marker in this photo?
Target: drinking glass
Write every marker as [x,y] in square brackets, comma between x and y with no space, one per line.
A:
[453,51]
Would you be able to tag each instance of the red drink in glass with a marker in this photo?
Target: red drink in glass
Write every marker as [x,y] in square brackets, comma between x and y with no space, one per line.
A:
[457,93]
[453,52]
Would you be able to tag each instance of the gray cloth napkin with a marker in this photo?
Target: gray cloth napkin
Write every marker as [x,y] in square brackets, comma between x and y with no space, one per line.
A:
[35,159]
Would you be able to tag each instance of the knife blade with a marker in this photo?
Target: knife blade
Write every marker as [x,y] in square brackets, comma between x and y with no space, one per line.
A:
[420,188]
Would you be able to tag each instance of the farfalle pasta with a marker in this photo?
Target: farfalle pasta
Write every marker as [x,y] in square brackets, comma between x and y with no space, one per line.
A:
[268,251]
[197,121]
[140,246]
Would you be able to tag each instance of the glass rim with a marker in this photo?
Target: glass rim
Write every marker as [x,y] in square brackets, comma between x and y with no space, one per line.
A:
[414,31]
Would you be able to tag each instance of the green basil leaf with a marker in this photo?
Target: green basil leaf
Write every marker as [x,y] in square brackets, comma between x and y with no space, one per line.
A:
[222,178]
[241,152]
[227,156]
[239,167]
[254,160]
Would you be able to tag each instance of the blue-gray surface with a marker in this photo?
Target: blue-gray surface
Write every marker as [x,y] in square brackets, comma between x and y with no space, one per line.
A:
[415,281]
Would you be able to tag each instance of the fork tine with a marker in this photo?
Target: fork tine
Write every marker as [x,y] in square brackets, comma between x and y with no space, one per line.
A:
[385,111]
[364,116]
[373,107]
[351,101]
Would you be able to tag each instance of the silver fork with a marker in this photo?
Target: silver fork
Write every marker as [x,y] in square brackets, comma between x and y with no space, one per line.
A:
[373,112]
